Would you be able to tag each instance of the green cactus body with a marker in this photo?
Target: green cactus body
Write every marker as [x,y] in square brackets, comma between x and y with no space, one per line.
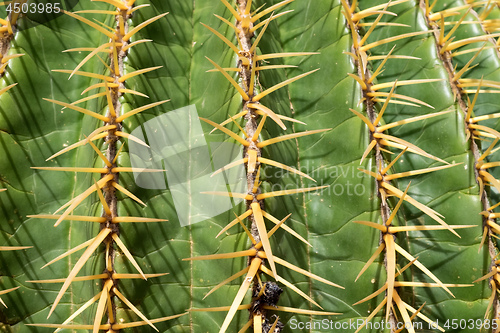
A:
[403,157]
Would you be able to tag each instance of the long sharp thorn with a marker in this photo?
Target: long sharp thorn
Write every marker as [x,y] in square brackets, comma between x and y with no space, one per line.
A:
[81,197]
[487,276]
[257,26]
[104,204]
[140,109]
[228,23]
[229,279]
[79,109]
[101,306]
[87,58]
[126,47]
[72,169]
[231,80]
[227,121]
[304,272]
[131,138]
[289,136]
[127,193]
[424,269]
[261,226]
[92,24]
[268,112]
[466,41]
[455,27]
[361,82]
[79,264]
[413,119]
[488,151]
[261,33]
[419,314]
[101,155]
[384,171]
[420,206]
[284,167]
[287,228]
[80,310]
[127,253]
[404,313]
[223,38]
[379,68]
[372,258]
[379,7]
[384,287]
[137,72]
[249,234]
[133,308]
[117,327]
[270,9]
[142,25]
[283,55]
[70,218]
[372,314]
[384,107]
[227,131]
[400,202]
[86,74]
[235,221]
[273,230]
[483,239]
[232,10]
[391,39]
[280,85]
[403,83]
[391,270]
[287,192]
[67,253]
[457,76]
[237,254]
[92,137]
[289,285]
[76,279]
[419,172]
[254,267]
[364,119]
[368,150]
[411,147]
[379,17]
[300,311]
[373,225]
[492,297]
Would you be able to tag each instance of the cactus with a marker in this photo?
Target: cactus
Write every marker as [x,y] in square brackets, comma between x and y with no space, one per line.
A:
[367,132]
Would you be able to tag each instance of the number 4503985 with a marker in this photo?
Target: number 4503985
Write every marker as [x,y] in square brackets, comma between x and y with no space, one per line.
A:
[49,8]
[470,324]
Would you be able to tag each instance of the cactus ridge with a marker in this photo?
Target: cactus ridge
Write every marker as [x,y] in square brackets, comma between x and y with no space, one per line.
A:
[112,87]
